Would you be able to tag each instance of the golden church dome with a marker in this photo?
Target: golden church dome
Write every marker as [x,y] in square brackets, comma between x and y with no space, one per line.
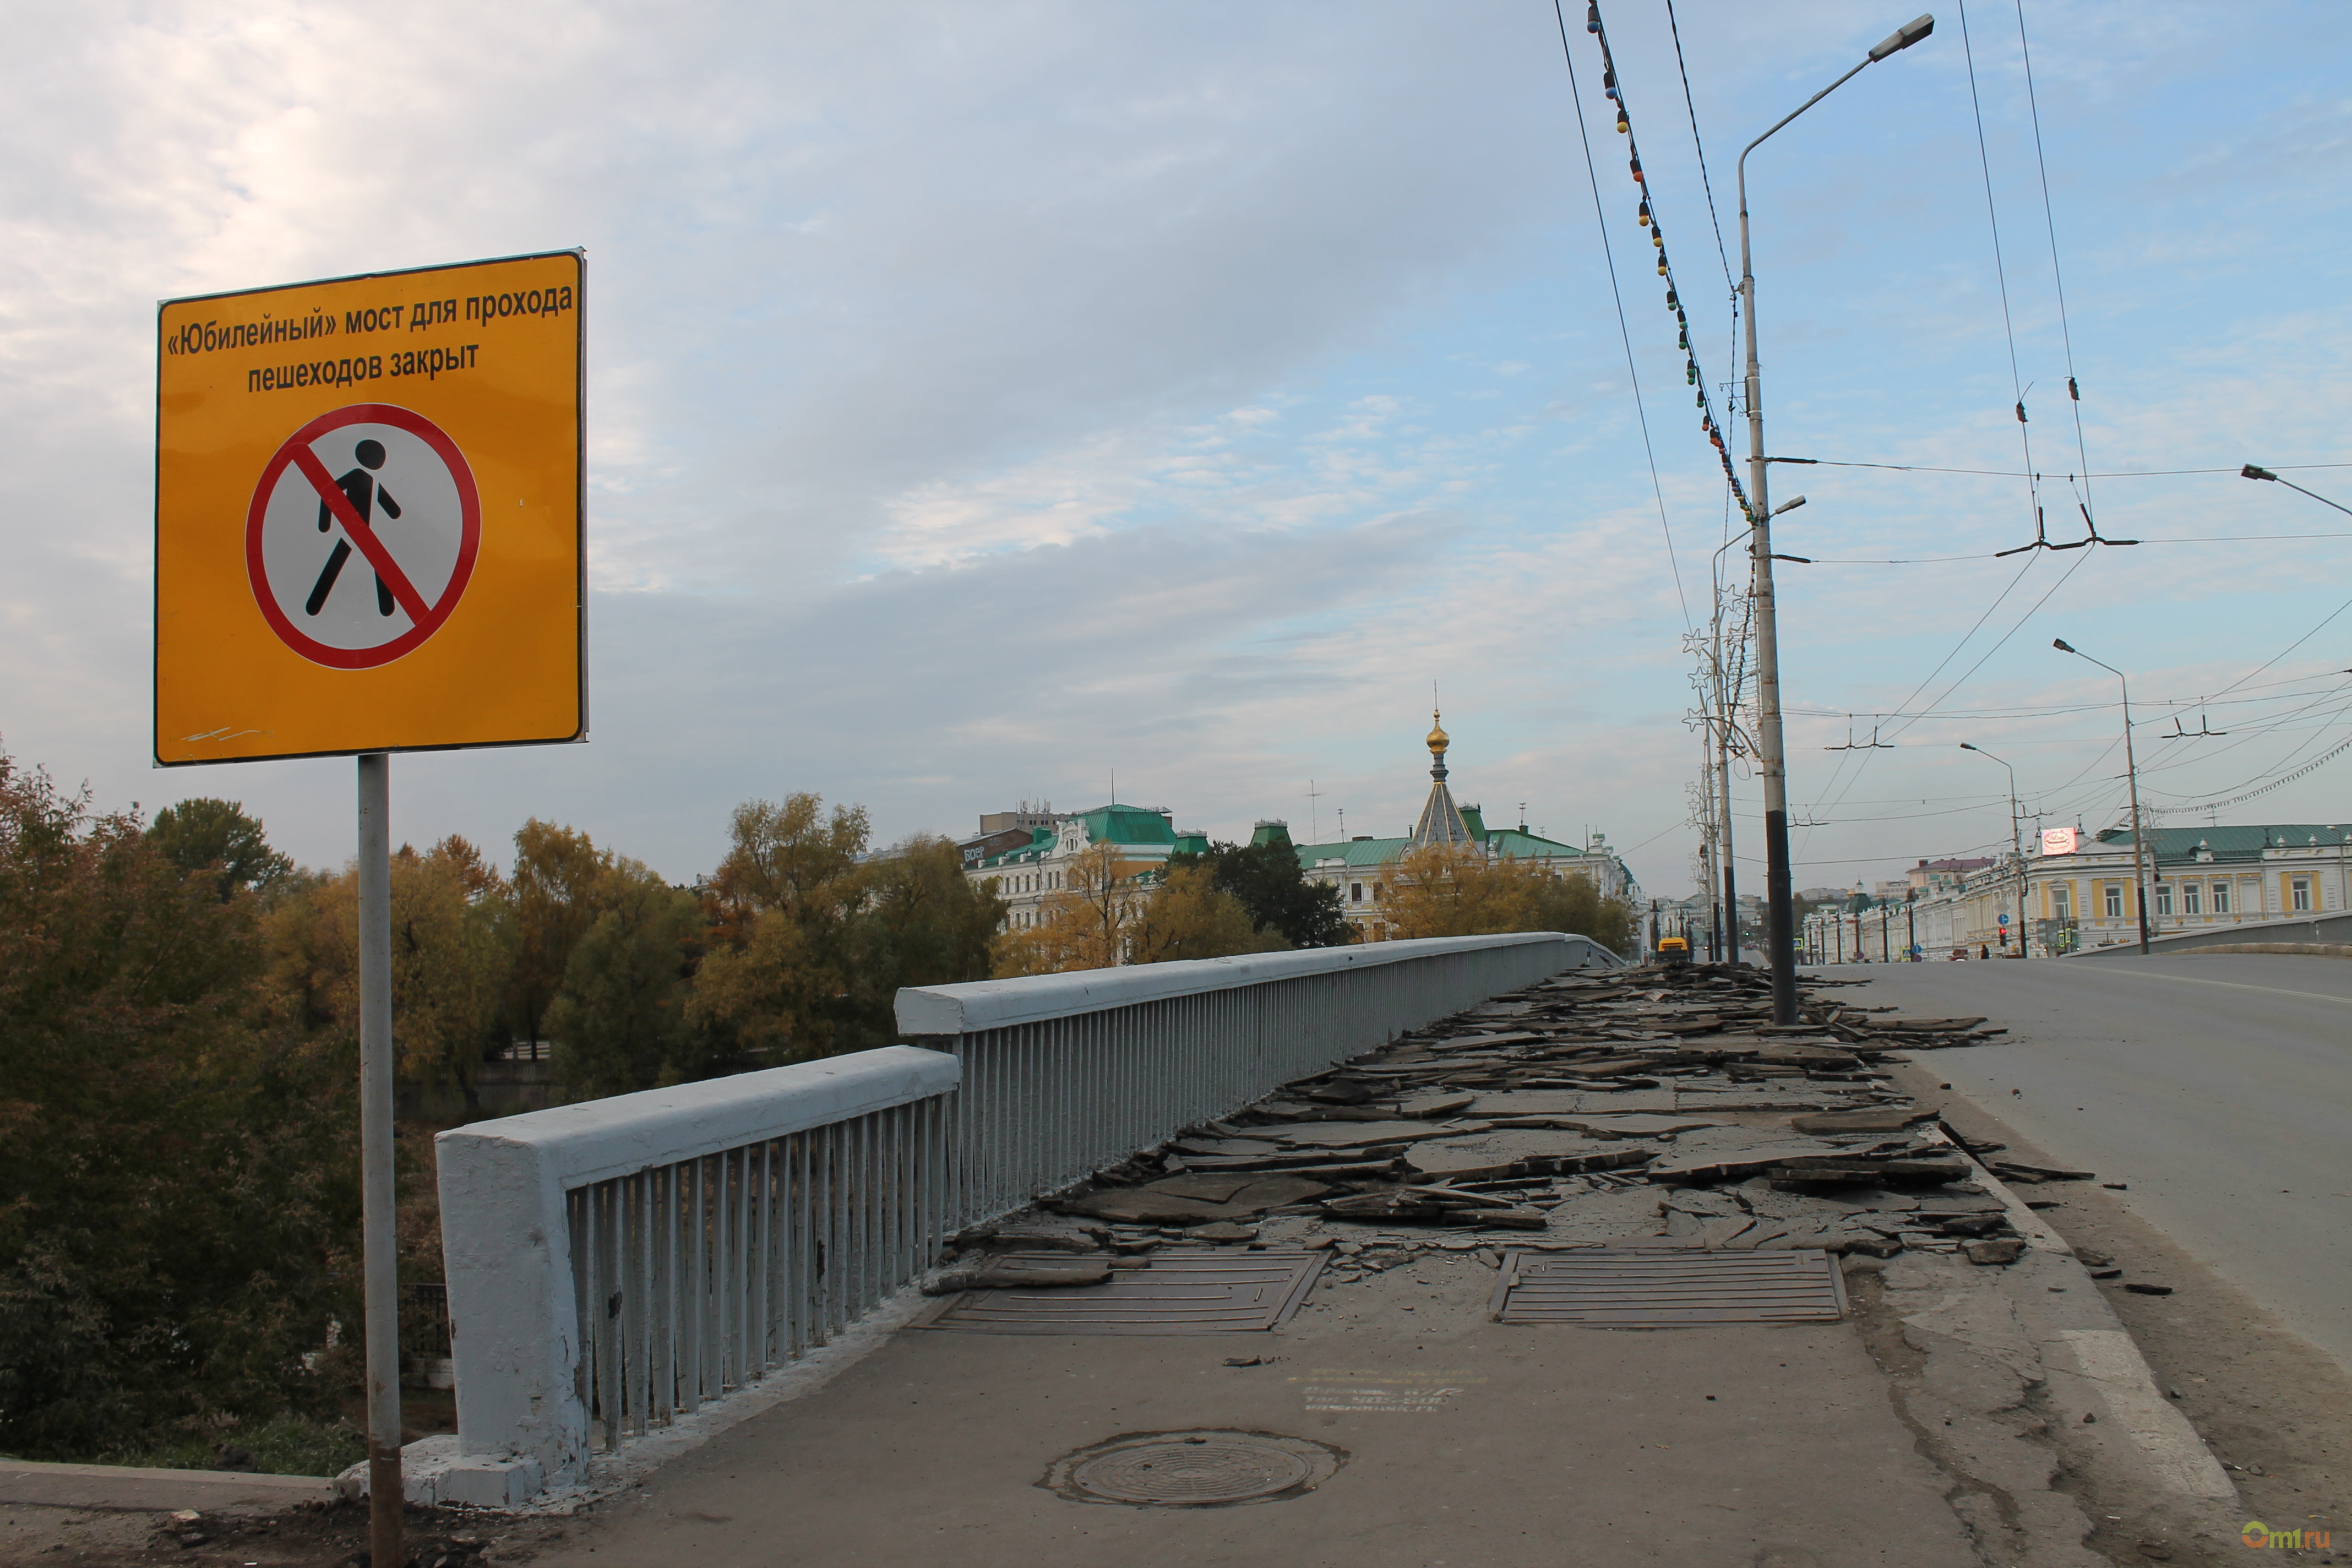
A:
[1438,739]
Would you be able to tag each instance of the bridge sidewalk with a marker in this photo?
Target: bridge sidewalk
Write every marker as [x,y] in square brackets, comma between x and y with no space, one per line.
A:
[1485,1444]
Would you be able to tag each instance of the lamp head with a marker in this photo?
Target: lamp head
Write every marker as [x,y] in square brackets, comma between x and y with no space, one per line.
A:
[1903,38]
[2061,645]
[2251,472]
[1788,506]
[1968,745]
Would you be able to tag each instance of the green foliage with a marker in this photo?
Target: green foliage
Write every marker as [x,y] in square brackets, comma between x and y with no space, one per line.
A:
[918,921]
[1272,887]
[289,1446]
[811,941]
[1572,903]
[179,1194]
[1189,916]
[208,835]
[619,1021]
[549,906]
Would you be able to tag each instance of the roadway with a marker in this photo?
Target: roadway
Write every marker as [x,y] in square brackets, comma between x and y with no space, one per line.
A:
[2219,1087]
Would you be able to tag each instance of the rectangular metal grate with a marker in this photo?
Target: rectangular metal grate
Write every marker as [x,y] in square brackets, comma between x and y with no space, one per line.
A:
[1668,1287]
[1206,1292]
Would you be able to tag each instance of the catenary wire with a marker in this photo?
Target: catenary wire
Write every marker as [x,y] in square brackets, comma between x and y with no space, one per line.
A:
[2000,274]
[2049,219]
[1609,254]
[1700,146]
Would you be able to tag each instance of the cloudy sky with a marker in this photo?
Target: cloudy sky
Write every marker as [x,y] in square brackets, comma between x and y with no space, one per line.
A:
[988,399]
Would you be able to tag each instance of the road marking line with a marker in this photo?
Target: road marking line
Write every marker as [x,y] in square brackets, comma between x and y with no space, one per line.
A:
[2239,986]
[2174,1453]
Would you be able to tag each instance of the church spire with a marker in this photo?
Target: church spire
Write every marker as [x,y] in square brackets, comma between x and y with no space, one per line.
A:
[1441,821]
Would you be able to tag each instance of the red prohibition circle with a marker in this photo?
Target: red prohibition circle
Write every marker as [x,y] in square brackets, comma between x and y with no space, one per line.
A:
[469,539]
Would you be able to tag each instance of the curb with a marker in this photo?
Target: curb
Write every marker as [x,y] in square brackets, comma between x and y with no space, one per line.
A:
[135,1488]
[2108,1360]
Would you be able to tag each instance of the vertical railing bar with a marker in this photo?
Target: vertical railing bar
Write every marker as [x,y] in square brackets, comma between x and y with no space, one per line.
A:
[697,1309]
[870,1201]
[609,1360]
[797,1216]
[664,1368]
[576,1205]
[637,1386]
[765,1356]
[725,1248]
[828,1251]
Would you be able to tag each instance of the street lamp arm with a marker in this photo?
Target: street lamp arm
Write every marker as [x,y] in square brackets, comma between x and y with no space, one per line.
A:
[2252,472]
[1867,61]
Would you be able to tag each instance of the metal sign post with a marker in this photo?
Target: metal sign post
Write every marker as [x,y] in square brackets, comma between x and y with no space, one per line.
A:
[377,1196]
[369,538]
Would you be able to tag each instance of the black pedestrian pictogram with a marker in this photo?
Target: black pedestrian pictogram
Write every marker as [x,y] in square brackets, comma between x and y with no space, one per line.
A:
[307,531]
[360,488]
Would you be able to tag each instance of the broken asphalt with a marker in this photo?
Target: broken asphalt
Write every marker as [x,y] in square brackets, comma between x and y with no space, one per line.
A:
[1973,1400]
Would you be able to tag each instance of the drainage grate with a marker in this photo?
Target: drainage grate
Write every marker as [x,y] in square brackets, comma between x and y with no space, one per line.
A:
[1194,1469]
[1664,1287]
[1206,1292]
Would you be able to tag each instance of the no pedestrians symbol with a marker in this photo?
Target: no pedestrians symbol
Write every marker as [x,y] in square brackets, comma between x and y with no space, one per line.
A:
[363,534]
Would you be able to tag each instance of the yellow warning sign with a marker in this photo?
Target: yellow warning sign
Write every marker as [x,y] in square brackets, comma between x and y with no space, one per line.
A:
[368,514]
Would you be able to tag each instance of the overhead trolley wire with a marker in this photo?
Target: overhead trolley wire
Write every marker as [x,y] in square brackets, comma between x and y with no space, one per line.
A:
[1609,254]
[2073,389]
[1647,215]
[1704,183]
[2015,474]
[2001,273]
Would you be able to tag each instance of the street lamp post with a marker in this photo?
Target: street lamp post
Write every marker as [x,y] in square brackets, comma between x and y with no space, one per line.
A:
[2016,849]
[2131,769]
[1773,762]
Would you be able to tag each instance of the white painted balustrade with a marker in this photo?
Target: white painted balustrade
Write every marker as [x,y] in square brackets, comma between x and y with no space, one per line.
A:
[613,1265]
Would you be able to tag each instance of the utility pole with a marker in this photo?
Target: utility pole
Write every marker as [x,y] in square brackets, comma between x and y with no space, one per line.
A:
[1780,940]
[2131,770]
[2016,847]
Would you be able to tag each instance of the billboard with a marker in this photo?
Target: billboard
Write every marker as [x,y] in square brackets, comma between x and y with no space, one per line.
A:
[2060,840]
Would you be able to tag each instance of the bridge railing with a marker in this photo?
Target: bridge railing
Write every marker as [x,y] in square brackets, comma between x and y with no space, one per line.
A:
[613,1265]
[1064,1074]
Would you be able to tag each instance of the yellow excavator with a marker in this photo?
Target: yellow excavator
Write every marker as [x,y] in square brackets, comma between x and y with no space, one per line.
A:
[1674,950]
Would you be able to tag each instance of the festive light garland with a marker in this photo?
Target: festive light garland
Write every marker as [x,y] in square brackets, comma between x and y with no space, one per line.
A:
[1646,215]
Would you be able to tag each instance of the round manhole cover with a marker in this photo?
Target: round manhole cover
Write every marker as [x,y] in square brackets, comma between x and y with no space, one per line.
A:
[1194,1469]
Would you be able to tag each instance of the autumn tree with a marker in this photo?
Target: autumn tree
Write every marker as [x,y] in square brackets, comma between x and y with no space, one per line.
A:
[1272,887]
[1452,889]
[619,1019]
[449,964]
[777,975]
[1083,924]
[207,835]
[179,1201]
[812,937]
[919,922]
[1188,915]
[549,905]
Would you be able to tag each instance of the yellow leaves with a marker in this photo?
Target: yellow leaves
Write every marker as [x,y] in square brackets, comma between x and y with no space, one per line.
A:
[1458,890]
[1107,913]
[1189,917]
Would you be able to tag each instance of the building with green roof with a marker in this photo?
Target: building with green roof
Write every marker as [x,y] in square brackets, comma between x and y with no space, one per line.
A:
[2068,900]
[1358,865]
[1026,873]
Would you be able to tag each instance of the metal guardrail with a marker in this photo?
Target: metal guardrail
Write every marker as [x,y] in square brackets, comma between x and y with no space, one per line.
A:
[1066,1074]
[2302,929]
[613,1266]
[697,1276]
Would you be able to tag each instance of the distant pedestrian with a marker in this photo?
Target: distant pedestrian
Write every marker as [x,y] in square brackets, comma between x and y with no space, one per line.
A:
[1984,952]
